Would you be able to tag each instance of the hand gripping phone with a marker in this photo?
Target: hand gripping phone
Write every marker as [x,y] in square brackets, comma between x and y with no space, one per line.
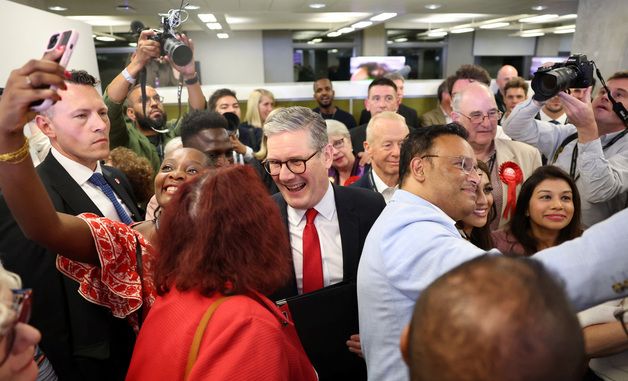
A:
[68,39]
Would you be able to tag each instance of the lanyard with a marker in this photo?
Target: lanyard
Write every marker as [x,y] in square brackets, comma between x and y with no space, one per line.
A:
[372,180]
[574,154]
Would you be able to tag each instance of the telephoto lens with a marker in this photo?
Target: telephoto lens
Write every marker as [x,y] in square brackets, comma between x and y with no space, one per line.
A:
[549,83]
[180,53]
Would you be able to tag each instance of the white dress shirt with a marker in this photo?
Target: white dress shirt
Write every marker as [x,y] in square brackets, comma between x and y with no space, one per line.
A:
[382,188]
[546,118]
[326,223]
[81,174]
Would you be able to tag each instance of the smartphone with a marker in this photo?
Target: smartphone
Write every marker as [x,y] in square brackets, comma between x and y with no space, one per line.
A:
[68,39]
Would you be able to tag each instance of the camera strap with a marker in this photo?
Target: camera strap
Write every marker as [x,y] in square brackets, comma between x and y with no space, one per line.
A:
[574,154]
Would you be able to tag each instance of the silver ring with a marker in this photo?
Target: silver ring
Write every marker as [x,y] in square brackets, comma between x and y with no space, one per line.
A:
[28,81]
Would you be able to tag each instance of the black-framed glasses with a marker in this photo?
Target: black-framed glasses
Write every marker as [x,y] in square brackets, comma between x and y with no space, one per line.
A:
[465,164]
[478,117]
[155,98]
[622,317]
[296,166]
[338,144]
[21,306]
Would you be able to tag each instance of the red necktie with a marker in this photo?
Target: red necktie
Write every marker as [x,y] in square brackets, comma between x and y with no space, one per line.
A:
[312,262]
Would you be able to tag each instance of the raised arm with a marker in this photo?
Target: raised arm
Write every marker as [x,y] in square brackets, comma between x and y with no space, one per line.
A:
[22,190]
[196,99]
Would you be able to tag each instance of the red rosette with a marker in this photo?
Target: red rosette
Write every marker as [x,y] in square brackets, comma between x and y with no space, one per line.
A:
[351,180]
[510,174]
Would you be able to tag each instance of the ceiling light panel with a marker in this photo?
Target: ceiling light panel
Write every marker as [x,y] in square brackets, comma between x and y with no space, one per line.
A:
[444,18]
[383,16]
[539,19]
[494,25]
[207,17]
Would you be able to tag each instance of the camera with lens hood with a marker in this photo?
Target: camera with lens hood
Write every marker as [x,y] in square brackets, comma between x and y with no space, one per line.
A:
[180,53]
[576,72]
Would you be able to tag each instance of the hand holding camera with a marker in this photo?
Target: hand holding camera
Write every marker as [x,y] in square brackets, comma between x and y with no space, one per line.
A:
[575,72]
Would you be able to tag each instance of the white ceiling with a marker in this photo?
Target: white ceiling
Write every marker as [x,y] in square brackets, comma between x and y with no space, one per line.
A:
[297,15]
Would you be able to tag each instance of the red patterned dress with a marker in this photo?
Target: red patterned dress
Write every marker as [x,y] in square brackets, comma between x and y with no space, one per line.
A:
[116,283]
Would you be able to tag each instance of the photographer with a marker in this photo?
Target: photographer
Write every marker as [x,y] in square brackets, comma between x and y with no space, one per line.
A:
[148,132]
[593,147]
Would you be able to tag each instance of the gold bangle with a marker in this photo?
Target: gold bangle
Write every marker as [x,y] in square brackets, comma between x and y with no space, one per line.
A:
[18,156]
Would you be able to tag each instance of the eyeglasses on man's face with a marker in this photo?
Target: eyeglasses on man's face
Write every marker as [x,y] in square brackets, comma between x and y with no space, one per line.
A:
[477,117]
[21,306]
[622,316]
[296,166]
[155,98]
[465,164]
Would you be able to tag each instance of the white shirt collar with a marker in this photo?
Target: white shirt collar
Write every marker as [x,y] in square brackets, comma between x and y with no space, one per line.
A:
[326,207]
[78,172]
[546,118]
[379,183]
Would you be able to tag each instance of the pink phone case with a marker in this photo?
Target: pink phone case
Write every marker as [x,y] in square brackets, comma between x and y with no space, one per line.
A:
[68,39]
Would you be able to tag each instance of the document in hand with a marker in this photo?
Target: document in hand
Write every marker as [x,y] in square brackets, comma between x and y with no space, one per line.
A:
[324,320]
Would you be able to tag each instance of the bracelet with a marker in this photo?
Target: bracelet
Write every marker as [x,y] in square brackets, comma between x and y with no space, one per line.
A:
[18,156]
[192,81]
[129,78]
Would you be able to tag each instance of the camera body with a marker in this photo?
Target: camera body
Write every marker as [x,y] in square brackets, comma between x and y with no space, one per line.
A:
[575,72]
[180,53]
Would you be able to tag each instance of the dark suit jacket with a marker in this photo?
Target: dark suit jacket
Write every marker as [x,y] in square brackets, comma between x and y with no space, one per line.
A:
[412,119]
[82,340]
[366,181]
[357,211]
[358,136]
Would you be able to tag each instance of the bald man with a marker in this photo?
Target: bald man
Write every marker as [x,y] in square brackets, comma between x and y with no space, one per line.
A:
[494,318]
[505,74]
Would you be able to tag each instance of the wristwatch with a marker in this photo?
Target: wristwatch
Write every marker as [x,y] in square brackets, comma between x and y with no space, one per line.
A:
[192,80]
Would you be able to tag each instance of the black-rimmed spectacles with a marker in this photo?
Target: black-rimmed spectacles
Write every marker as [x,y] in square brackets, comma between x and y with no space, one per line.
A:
[21,306]
[478,117]
[296,166]
[465,164]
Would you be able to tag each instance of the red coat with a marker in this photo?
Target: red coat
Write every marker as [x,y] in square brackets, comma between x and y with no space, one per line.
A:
[243,341]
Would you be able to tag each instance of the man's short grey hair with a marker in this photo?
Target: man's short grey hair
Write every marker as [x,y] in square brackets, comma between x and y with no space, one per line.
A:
[298,118]
[335,127]
[394,76]
[456,102]
[389,115]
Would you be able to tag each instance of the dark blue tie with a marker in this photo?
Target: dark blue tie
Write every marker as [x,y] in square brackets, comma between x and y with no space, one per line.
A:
[98,180]
[554,122]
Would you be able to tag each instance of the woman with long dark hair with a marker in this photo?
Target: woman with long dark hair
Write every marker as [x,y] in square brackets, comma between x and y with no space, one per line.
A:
[547,214]
[476,227]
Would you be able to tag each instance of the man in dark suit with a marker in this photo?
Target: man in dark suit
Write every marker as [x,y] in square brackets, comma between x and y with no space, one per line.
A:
[412,118]
[82,340]
[384,135]
[382,96]
[298,159]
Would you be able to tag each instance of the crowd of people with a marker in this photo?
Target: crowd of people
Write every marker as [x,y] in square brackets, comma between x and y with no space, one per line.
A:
[190,248]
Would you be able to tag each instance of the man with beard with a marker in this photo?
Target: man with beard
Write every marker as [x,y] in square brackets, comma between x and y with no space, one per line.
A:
[149,130]
[324,95]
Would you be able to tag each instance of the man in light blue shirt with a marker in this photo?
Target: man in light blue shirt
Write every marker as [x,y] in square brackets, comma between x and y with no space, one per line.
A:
[415,240]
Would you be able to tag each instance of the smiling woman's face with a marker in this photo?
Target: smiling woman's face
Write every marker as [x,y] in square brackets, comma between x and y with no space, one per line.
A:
[551,205]
[178,166]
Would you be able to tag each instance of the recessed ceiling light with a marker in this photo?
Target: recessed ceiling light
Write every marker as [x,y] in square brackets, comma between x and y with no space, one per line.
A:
[207,17]
[57,8]
[214,25]
[437,33]
[317,40]
[347,29]
[362,24]
[433,6]
[401,39]
[333,34]
[105,38]
[222,35]
[539,8]
[538,19]
[191,7]
[570,16]
[564,31]
[537,34]
[494,25]
[461,30]
[383,16]
[317,5]
[133,44]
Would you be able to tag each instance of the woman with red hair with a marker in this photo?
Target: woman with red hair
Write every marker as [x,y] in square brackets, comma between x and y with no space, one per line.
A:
[239,252]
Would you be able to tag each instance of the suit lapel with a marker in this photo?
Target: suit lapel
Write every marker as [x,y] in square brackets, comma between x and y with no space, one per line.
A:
[61,184]
[290,288]
[116,184]
[348,223]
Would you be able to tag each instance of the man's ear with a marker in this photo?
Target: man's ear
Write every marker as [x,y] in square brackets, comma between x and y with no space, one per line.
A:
[455,116]
[417,168]
[130,113]
[403,344]
[43,122]
[366,105]
[328,156]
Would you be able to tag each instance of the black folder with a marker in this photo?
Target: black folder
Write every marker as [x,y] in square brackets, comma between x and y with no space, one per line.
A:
[324,320]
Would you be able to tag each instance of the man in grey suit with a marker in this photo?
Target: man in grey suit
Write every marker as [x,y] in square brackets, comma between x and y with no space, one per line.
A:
[299,156]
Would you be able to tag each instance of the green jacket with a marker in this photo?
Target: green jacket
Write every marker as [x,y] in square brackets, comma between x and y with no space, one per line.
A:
[123,134]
